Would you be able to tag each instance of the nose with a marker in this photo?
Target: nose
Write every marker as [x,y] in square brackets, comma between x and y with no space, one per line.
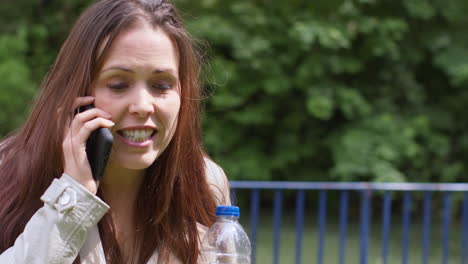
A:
[141,103]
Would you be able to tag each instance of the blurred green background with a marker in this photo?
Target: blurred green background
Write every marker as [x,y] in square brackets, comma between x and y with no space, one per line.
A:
[336,90]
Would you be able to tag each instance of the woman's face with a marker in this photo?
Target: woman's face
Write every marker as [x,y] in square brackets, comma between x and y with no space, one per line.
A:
[139,86]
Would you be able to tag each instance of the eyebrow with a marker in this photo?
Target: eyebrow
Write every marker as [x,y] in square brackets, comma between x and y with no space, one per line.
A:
[159,70]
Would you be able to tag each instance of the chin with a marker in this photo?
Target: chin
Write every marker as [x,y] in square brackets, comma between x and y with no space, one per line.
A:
[141,165]
[135,162]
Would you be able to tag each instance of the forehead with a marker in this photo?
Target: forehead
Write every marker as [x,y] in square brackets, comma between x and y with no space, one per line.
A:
[143,47]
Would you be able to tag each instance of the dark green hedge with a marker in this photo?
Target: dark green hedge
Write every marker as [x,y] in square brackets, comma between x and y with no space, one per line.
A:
[299,90]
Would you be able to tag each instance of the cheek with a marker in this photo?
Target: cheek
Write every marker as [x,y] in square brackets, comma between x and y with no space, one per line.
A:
[104,101]
[175,111]
[171,114]
[170,107]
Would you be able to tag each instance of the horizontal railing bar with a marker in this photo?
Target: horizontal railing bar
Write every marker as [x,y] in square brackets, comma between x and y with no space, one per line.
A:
[450,187]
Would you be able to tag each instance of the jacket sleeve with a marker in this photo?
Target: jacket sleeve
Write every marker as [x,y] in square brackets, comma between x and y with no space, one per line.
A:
[57,231]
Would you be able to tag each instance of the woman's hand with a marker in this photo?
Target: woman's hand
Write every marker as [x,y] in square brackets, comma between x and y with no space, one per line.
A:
[74,143]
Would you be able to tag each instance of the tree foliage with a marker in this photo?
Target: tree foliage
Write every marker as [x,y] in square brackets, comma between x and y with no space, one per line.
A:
[326,90]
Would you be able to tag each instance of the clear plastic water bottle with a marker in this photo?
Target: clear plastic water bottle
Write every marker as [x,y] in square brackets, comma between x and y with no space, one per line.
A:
[226,241]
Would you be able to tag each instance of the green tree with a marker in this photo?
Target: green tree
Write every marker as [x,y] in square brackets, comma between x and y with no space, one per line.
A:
[336,90]
[325,90]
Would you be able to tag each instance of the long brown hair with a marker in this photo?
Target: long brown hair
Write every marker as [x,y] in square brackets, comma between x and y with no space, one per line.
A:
[174,195]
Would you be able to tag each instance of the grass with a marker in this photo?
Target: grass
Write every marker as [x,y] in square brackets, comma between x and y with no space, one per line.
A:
[331,247]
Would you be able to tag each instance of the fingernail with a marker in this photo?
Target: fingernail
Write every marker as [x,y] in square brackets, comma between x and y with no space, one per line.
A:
[108,115]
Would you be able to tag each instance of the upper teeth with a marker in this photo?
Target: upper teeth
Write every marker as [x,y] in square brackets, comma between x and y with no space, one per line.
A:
[138,134]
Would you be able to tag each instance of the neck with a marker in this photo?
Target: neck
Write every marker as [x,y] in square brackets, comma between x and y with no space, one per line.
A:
[120,188]
[121,185]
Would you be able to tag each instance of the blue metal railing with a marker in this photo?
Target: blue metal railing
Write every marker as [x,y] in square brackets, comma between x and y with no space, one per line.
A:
[366,192]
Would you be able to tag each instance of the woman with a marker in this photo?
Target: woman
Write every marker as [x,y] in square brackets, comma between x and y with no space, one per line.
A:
[136,63]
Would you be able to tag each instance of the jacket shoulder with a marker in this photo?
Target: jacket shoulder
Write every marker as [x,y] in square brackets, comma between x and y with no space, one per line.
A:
[218,182]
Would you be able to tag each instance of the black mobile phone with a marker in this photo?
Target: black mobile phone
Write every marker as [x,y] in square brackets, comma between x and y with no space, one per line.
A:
[98,148]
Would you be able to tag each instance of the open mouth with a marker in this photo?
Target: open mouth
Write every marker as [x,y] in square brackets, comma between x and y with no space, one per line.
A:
[137,134]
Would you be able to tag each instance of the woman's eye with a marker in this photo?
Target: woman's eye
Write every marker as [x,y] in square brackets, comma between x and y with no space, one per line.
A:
[162,86]
[117,85]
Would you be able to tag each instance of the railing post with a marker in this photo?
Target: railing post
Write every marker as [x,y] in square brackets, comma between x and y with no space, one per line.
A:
[343,224]
[365,224]
[322,217]
[406,225]
[446,227]
[254,214]
[277,225]
[233,195]
[464,232]
[426,226]
[300,205]
[386,220]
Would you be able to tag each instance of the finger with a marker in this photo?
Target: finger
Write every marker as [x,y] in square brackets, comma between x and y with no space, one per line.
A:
[92,125]
[82,118]
[88,115]
[81,101]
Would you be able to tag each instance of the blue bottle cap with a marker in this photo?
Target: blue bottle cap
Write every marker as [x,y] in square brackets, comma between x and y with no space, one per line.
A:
[227,210]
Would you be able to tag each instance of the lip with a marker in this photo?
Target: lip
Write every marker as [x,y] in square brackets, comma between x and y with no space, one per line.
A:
[141,144]
[138,127]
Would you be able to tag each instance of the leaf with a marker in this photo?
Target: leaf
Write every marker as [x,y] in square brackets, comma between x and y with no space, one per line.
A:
[320,102]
